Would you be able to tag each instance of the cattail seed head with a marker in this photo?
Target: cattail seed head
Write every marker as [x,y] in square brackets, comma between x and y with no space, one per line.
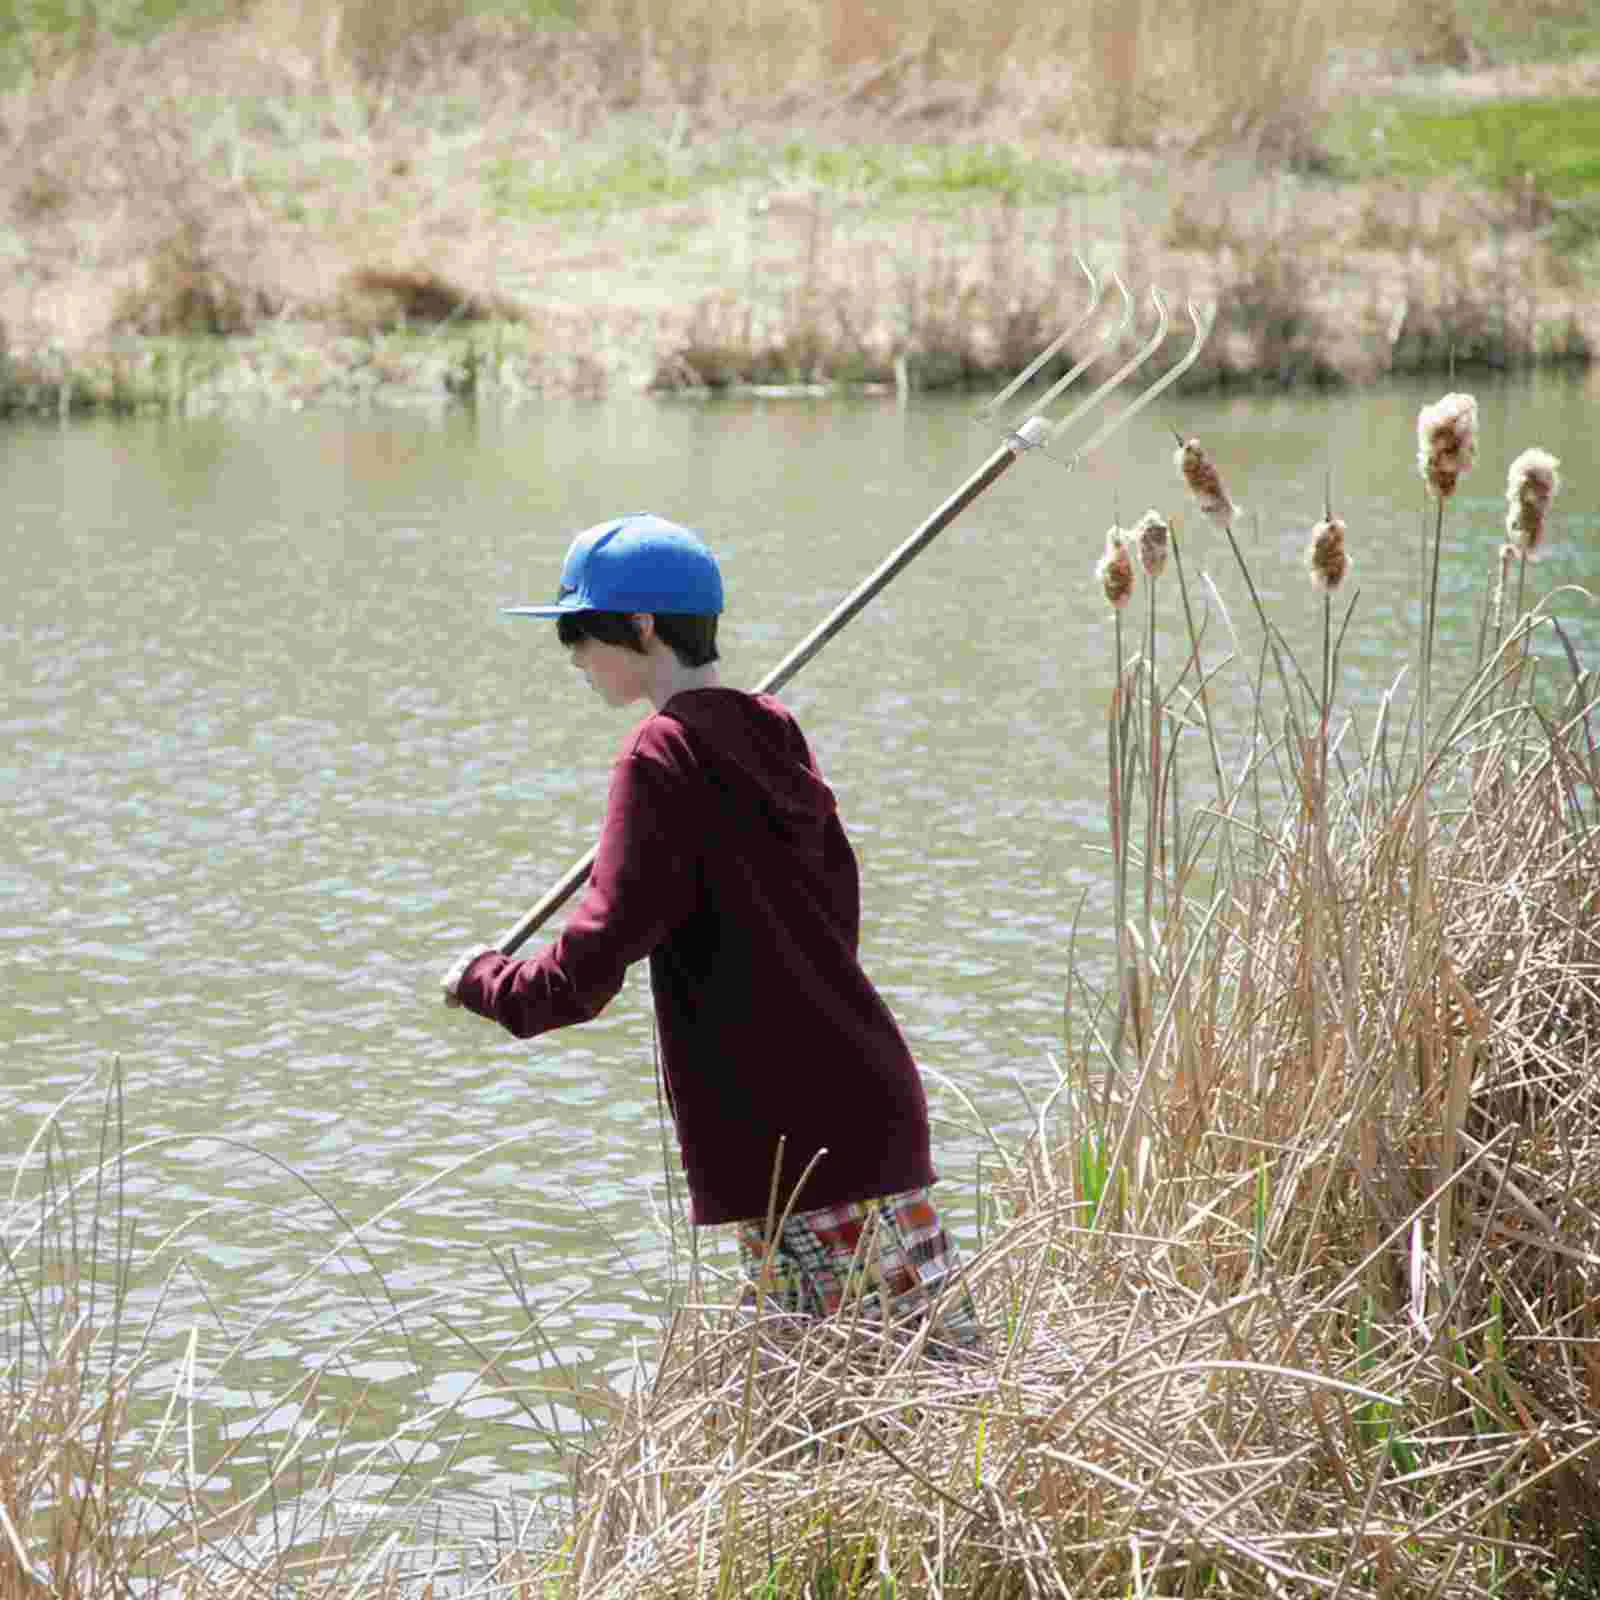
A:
[1326,560]
[1508,556]
[1205,482]
[1447,441]
[1531,485]
[1154,539]
[1115,569]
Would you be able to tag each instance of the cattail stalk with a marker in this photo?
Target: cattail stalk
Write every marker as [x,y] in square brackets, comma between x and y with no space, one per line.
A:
[1447,441]
[1329,564]
[1200,473]
[1116,574]
[1153,539]
[1446,444]
[1202,694]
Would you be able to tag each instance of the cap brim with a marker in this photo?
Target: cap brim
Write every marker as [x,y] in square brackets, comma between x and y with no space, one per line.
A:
[540,611]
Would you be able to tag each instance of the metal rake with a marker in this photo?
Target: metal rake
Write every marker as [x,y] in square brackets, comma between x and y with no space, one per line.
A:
[1037,431]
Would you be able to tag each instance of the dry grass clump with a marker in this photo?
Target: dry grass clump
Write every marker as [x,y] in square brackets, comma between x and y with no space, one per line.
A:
[1203,73]
[382,299]
[926,308]
[115,1479]
[916,313]
[1298,1290]
[185,289]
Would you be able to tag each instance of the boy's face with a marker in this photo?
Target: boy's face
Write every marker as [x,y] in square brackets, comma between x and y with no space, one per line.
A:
[617,675]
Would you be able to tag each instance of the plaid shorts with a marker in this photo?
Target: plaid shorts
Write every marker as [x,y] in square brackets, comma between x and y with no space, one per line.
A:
[892,1254]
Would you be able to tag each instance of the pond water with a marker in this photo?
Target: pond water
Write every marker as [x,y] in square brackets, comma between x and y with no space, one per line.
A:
[270,759]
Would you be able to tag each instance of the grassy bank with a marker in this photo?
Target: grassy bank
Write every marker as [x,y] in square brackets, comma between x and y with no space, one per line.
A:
[306,203]
[1292,1290]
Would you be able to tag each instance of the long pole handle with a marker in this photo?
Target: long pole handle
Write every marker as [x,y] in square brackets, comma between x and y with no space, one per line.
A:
[1024,438]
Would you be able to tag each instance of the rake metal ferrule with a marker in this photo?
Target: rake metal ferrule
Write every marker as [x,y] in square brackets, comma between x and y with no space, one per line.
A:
[1030,436]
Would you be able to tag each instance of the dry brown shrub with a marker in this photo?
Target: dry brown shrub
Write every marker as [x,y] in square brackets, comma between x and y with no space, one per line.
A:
[379,299]
[185,290]
[923,310]
[372,38]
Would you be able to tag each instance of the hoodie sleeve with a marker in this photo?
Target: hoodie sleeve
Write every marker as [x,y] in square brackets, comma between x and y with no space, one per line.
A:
[642,885]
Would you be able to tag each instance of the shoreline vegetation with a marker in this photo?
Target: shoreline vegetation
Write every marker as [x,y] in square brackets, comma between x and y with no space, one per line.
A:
[214,206]
[1291,1292]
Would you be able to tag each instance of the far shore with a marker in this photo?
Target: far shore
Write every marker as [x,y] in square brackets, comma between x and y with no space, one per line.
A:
[310,241]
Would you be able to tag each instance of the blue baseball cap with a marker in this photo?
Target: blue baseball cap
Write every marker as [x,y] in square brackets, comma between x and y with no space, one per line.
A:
[635,563]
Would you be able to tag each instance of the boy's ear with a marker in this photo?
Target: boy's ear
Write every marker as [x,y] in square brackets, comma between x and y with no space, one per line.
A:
[644,626]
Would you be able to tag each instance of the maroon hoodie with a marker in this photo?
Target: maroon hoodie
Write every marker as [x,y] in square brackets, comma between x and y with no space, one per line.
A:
[723,860]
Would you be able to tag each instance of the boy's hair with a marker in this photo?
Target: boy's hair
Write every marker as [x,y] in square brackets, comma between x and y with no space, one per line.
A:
[692,639]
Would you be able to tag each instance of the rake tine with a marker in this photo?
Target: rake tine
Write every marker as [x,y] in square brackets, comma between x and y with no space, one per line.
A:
[1107,340]
[987,411]
[1202,321]
[1138,359]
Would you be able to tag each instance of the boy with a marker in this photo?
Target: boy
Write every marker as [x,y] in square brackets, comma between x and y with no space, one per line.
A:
[722,860]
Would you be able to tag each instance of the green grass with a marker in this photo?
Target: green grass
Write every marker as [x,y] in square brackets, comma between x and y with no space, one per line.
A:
[639,175]
[920,172]
[651,173]
[1554,142]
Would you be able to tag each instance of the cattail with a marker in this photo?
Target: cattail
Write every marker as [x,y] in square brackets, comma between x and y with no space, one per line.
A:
[1115,569]
[1447,439]
[1154,539]
[1508,557]
[1531,485]
[1205,483]
[1326,560]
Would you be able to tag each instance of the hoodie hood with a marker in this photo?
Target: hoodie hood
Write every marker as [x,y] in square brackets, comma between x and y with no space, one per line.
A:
[755,749]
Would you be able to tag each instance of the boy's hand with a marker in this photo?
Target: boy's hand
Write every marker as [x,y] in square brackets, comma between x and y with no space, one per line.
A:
[454,976]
